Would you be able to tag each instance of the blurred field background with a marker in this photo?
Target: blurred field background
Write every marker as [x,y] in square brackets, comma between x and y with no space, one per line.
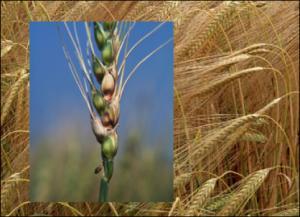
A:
[62,143]
[236,106]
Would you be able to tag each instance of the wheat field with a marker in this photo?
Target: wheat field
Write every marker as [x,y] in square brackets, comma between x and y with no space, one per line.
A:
[236,106]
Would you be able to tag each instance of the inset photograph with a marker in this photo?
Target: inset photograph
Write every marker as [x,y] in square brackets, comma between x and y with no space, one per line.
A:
[101,111]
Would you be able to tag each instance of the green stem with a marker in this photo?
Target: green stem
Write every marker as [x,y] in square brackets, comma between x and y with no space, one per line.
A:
[103,190]
[109,168]
[104,183]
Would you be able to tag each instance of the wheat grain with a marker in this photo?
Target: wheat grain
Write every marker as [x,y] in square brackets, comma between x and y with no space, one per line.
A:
[7,185]
[253,137]
[246,191]
[215,204]
[6,46]
[182,179]
[219,137]
[224,17]
[12,94]
[6,189]
[201,196]
[227,79]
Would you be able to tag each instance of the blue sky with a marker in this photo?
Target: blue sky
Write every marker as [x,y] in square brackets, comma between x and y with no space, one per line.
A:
[55,98]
